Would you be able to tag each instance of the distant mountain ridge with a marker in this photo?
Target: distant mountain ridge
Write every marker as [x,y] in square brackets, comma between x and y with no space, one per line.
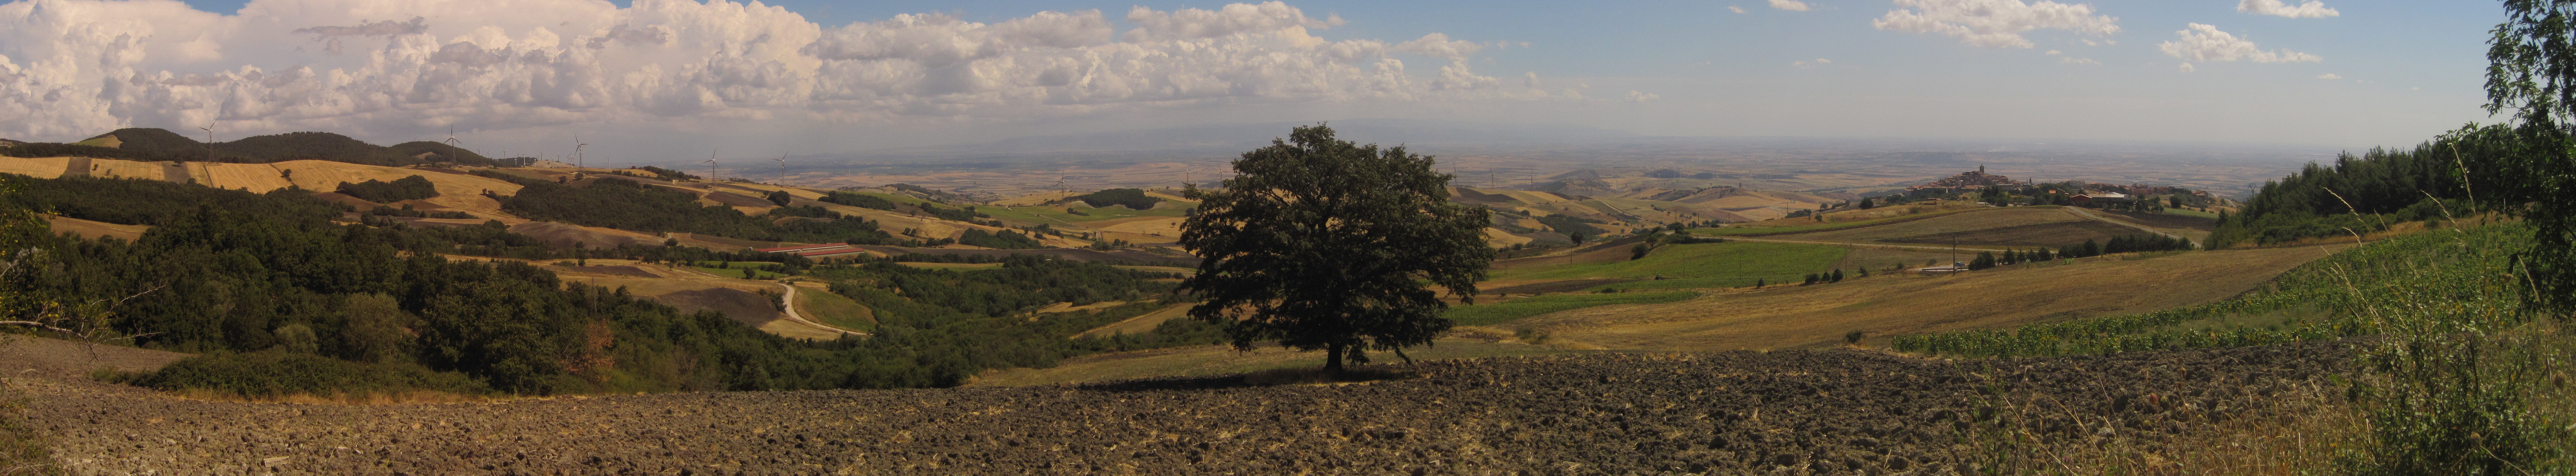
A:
[1242,137]
[153,144]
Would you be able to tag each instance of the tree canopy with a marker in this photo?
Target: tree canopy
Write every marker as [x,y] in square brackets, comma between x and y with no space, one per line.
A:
[1320,243]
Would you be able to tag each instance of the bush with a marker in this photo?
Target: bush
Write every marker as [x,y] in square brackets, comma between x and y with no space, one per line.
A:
[273,373]
[1133,199]
[407,188]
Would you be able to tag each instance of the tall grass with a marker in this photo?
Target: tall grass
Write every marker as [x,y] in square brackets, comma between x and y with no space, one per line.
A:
[2461,375]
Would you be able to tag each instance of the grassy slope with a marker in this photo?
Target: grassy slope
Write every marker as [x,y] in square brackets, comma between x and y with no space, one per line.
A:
[1701,265]
[1898,304]
[1507,311]
[834,310]
[2328,298]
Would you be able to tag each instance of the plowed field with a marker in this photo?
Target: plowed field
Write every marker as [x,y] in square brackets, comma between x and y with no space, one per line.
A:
[1803,412]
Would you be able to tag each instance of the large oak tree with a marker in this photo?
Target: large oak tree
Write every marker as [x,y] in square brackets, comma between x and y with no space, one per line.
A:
[1319,243]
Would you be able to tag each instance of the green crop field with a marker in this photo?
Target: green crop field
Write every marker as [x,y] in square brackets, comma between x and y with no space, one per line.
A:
[1504,312]
[1703,265]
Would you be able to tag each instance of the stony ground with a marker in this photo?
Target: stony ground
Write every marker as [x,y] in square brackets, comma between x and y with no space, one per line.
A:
[1803,412]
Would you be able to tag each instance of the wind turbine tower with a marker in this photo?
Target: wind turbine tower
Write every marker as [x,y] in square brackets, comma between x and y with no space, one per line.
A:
[210,141]
[580,160]
[711,166]
[451,145]
[782,169]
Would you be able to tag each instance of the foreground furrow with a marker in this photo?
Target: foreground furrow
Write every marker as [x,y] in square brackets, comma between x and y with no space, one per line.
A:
[1804,412]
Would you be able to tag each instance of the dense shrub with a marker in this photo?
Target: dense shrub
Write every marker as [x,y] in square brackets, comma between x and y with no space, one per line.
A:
[277,372]
[1133,199]
[407,188]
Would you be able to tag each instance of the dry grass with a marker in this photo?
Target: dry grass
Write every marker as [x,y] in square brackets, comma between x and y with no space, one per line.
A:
[1139,324]
[48,167]
[1884,304]
[2308,429]
[93,229]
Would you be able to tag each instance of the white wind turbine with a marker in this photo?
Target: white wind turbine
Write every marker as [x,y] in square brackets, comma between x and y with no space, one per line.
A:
[580,161]
[711,166]
[451,142]
[782,169]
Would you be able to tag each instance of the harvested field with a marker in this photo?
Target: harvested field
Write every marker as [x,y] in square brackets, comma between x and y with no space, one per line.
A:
[48,167]
[1782,317]
[1139,324]
[1828,412]
[93,229]
[565,235]
[2045,234]
[2163,220]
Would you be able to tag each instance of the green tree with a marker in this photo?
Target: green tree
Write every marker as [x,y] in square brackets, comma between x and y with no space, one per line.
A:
[2531,75]
[780,197]
[1324,244]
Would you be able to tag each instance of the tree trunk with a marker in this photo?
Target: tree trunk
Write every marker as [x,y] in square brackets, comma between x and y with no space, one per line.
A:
[1333,359]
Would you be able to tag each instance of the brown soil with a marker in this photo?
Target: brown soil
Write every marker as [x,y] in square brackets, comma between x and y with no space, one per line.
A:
[1801,412]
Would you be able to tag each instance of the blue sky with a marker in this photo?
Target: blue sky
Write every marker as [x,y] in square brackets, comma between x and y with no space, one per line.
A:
[2376,73]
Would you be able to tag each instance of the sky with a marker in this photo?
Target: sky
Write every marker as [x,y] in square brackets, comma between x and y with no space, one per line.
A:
[651,81]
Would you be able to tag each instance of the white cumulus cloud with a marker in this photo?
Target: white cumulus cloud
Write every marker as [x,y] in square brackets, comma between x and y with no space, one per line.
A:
[70,68]
[1790,5]
[1994,23]
[2329,76]
[1738,10]
[1811,64]
[2186,67]
[2308,9]
[1641,97]
[2204,44]
[2075,60]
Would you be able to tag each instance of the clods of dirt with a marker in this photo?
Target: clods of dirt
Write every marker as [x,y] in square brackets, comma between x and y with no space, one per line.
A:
[1803,412]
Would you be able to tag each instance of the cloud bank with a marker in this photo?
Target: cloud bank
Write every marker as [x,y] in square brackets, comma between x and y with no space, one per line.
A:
[1994,23]
[69,68]
[2204,44]
[2308,9]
